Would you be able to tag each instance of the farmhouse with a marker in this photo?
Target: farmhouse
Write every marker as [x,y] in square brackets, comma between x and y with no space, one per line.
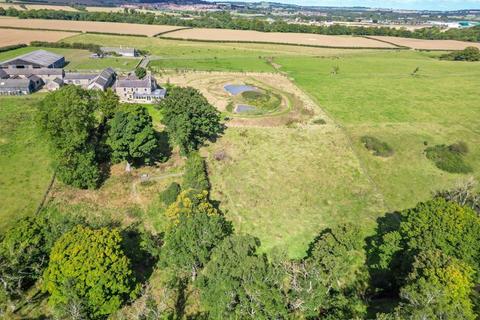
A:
[121,51]
[16,87]
[35,59]
[133,89]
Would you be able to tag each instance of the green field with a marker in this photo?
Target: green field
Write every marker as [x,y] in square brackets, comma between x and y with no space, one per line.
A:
[80,59]
[24,163]
[285,184]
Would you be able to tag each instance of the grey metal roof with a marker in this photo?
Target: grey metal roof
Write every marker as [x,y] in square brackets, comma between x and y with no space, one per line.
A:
[15,83]
[41,57]
[34,78]
[3,74]
[58,81]
[35,71]
[120,50]
[79,76]
[104,77]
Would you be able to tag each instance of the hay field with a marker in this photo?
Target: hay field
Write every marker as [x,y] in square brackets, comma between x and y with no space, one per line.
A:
[36,7]
[427,44]
[86,26]
[15,36]
[277,37]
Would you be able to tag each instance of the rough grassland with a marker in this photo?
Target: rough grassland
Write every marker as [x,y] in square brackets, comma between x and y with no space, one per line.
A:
[375,94]
[79,59]
[24,162]
[427,44]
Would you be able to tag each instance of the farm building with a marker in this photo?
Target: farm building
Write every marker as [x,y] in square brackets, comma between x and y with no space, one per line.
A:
[16,87]
[121,51]
[133,89]
[54,84]
[46,74]
[35,59]
[91,80]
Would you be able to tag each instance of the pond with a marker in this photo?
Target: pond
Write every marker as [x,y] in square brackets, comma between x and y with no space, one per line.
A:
[235,89]
[241,108]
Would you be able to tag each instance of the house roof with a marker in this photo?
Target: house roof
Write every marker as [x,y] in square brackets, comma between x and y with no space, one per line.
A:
[121,50]
[39,71]
[57,81]
[40,57]
[133,82]
[79,76]
[15,83]
[3,74]
[34,78]
[104,77]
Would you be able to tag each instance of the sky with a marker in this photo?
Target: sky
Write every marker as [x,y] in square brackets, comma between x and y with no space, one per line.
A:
[395,4]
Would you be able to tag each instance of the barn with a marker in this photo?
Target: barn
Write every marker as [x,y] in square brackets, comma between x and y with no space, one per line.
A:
[35,59]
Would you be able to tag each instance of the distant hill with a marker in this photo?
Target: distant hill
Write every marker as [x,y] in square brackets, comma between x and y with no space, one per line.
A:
[113,2]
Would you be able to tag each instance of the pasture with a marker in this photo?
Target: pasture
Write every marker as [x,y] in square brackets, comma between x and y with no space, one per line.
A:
[24,162]
[85,26]
[16,36]
[79,59]
[285,181]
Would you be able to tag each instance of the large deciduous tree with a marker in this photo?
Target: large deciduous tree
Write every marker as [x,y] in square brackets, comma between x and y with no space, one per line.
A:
[189,118]
[131,136]
[238,283]
[89,273]
[67,118]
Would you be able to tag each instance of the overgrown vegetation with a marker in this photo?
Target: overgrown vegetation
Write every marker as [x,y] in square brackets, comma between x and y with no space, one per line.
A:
[378,147]
[467,54]
[95,48]
[449,158]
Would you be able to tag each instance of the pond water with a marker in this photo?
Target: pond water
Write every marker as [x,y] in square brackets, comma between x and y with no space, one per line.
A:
[240,108]
[235,89]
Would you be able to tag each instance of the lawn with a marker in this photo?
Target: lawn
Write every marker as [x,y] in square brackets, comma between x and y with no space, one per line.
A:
[79,59]
[24,163]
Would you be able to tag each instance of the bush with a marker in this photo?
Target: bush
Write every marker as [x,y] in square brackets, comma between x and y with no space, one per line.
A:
[195,176]
[379,148]
[468,54]
[319,121]
[449,158]
[169,195]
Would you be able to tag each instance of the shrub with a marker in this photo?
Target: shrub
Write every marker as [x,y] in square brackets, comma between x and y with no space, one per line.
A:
[449,158]
[319,121]
[468,54]
[169,195]
[195,176]
[379,148]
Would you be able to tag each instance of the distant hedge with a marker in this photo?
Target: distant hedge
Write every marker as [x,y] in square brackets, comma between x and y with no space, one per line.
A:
[468,54]
[449,158]
[12,47]
[379,148]
[84,46]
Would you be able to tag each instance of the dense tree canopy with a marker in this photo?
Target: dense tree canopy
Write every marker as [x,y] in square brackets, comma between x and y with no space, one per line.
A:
[131,136]
[238,283]
[88,272]
[189,118]
[189,203]
[25,247]
[67,117]
[195,176]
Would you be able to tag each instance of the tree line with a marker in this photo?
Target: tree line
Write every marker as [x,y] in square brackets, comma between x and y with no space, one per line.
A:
[224,20]
[424,260]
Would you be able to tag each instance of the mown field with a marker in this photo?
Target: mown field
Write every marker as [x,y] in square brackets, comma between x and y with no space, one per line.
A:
[285,184]
[24,162]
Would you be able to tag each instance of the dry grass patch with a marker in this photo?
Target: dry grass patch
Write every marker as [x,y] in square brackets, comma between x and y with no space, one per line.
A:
[86,26]
[277,37]
[15,36]
[36,7]
[427,44]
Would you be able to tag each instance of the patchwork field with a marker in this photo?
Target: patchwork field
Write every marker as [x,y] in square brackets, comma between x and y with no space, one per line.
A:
[276,37]
[86,26]
[16,36]
[36,7]
[427,44]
